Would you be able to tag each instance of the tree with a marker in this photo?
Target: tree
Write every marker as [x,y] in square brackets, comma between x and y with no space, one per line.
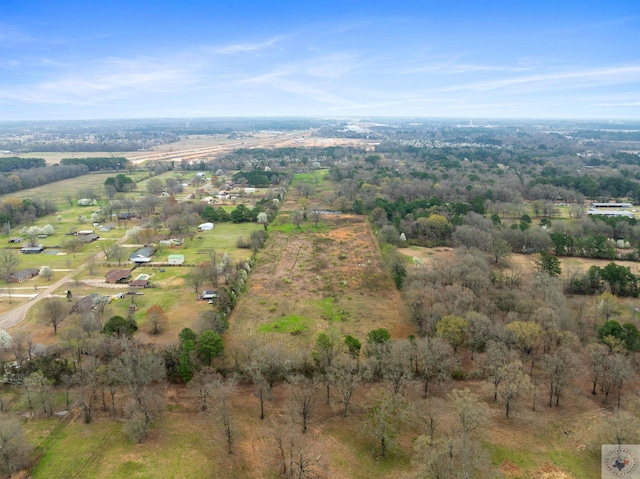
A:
[155,186]
[346,375]
[209,345]
[397,364]
[353,345]
[139,367]
[560,367]
[548,264]
[453,329]
[9,263]
[222,392]
[15,450]
[120,327]
[325,351]
[46,272]
[435,361]
[387,413]
[156,317]
[316,214]
[263,219]
[303,395]
[513,379]
[212,320]
[196,277]
[297,217]
[53,311]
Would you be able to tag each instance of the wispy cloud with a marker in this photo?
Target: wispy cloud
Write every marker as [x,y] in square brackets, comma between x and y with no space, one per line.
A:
[236,48]
[458,68]
[566,79]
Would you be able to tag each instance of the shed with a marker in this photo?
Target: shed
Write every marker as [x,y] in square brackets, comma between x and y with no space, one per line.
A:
[208,294]
[139,283]
[205,226]
[88,238]
[176,259]
[117,275]
[32,249]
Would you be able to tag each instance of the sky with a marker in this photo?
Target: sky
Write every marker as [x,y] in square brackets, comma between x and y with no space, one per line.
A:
[62,60]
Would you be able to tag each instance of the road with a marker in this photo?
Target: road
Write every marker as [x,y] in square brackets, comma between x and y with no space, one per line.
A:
[13,317]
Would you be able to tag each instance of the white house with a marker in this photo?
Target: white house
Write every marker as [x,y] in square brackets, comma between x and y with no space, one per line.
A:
[176,259]
[205,226]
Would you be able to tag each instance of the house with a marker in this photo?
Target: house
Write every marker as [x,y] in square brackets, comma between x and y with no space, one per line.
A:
[117,276]
[22,275]
[176,259]
[17,239]
[88,238]
[205,226]
[208,294]
[142,255]
[32,249]
[106,227]
[93,302]
[139,283]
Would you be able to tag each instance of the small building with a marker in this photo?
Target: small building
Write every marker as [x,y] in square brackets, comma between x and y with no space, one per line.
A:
[595,211]
[208,294]
[612,205]
[117,276]
[142,256]
[85,232]
[106,227]
[32,249]
[88,238]
[139,283]
[22,275]
[93,302]
[205,226]
[176,259]
[17,239]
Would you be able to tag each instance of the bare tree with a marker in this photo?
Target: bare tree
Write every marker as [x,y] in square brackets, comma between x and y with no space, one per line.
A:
[298,457]
[54,311]
[16,450]
[387,413]
[513,380]
[435,360]
[139,367]
[9,263]
[222,392]
[303,395]
[347,375]
[316,214]
[560,367]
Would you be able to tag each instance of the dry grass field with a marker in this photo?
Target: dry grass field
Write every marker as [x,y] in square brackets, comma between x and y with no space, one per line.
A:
[310,281]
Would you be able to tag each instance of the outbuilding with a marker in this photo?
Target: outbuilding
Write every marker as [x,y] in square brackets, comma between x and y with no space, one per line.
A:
[176,259]
[205,226]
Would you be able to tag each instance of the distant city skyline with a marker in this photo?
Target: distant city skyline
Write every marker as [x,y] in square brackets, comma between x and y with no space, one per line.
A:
[69,60]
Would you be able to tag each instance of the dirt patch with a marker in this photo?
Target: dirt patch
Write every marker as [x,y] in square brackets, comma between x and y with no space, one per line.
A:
[332,278]
[549,471]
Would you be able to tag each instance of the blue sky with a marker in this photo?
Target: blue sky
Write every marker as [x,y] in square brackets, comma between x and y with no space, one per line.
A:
[347,58]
